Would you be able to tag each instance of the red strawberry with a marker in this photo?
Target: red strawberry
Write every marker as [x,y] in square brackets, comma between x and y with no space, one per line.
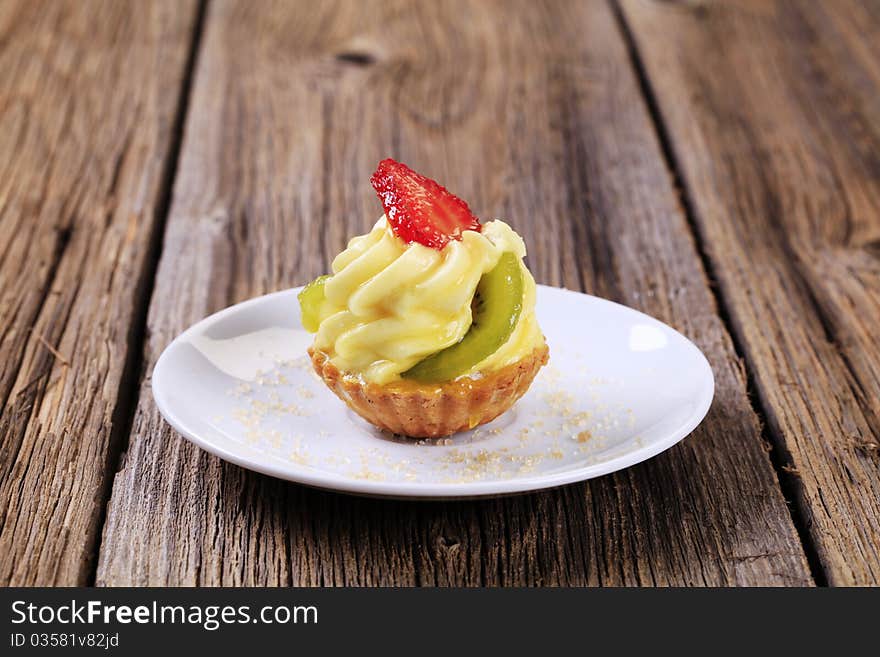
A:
[420,209]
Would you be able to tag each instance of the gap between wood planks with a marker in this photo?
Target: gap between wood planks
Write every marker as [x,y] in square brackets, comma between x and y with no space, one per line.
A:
[779,455]
[123,414]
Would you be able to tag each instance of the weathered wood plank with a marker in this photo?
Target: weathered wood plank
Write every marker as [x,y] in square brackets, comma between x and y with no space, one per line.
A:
[531,112]
[88,97]
[773,111]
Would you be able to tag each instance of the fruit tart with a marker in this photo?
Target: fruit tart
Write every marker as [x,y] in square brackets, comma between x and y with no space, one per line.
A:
[426,326]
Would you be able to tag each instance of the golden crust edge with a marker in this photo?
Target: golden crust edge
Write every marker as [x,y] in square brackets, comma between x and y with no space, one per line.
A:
[425,410]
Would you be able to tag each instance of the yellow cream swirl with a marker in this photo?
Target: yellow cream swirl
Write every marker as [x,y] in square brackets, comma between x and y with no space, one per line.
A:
[390,304]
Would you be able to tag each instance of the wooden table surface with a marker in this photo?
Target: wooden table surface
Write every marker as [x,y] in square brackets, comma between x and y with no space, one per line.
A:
[714,164]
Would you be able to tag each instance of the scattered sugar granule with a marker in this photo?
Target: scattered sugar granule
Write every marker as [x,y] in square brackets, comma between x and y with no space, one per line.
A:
[584,436]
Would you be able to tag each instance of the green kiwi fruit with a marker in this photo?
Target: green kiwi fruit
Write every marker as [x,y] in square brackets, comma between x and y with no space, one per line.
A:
[311,297]
[495,310]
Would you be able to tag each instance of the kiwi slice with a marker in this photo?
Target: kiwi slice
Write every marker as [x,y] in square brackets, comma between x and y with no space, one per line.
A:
[495,309]
[311,298]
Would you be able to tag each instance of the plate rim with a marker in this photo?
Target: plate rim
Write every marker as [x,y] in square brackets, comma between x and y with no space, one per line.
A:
[301,474]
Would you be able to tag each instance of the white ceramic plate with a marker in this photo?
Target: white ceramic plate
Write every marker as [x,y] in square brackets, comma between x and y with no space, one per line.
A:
[620,388]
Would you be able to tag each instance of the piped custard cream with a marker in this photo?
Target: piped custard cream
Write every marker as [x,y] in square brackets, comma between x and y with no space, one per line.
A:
[390,304]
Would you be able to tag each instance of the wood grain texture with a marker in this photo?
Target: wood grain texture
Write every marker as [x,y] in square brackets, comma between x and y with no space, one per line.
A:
[532,113]
[88,96]
[773,112]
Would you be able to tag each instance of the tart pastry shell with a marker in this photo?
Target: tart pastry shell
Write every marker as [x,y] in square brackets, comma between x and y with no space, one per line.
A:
[432,410]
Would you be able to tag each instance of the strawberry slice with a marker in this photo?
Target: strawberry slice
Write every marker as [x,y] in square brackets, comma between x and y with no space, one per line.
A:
[420,209]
